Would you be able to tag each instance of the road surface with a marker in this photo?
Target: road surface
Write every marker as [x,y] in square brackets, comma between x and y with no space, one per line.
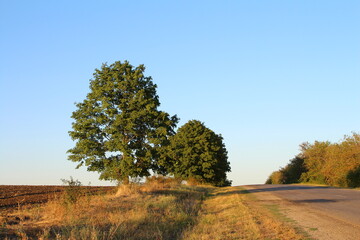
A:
[323,212]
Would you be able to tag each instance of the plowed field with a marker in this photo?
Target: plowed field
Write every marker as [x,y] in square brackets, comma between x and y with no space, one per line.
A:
[12,196]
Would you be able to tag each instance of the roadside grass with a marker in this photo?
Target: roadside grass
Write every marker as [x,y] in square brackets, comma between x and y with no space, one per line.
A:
[160,209]
[276,211]
[232,213]
[313,229]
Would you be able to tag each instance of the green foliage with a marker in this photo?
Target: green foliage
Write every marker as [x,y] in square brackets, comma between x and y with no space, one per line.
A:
[294,170]
[118,129]
[197,152]
[353,178]
[315,158]
[291,173]
[72,190]
[276,177]
[343,160]
[334,164]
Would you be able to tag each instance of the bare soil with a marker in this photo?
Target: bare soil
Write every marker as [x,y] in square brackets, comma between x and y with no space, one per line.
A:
[14,196]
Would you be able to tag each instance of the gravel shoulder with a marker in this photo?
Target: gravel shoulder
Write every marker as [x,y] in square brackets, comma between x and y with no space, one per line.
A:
[317,220]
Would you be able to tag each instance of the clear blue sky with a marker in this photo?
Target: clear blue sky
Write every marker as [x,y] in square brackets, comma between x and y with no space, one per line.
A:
[267,75]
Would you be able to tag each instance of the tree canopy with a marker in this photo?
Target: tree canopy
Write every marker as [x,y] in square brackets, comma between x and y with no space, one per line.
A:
[118,128]
[335,164]
[197,152]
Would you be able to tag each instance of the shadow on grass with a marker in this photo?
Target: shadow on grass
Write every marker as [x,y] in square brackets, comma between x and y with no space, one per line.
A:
[226,191]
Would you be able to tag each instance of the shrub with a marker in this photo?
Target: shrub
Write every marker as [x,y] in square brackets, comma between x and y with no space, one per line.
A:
[72,191]
[276,177]
[353,178]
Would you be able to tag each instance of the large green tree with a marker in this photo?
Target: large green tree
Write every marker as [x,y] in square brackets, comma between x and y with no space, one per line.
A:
[118,129]
[197,152]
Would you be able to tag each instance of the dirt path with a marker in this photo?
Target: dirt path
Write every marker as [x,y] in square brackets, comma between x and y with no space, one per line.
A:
[317,222]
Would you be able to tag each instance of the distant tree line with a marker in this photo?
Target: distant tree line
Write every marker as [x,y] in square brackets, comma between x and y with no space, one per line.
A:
[120,132]
[334,164]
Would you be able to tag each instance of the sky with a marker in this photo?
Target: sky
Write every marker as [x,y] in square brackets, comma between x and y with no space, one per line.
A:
[266,75]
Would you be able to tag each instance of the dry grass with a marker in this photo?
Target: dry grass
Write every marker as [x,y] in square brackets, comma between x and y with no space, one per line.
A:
[156,210]
[160,209]
[228,213]
[128,190]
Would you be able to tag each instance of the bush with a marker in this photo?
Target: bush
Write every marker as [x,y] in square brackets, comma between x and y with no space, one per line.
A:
[161,182]
[72,191]
[128,189]
[293,171]
[353,178]
[276,177]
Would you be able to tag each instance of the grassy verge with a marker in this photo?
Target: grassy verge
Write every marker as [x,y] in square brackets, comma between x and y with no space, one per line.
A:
[154,211]
[231,213]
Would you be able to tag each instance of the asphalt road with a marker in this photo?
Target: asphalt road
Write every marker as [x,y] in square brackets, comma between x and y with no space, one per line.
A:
[341,204]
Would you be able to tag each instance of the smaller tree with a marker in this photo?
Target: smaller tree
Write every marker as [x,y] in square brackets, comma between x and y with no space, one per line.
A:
[314,156]
[197,152]
[293,170]
[276,177]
